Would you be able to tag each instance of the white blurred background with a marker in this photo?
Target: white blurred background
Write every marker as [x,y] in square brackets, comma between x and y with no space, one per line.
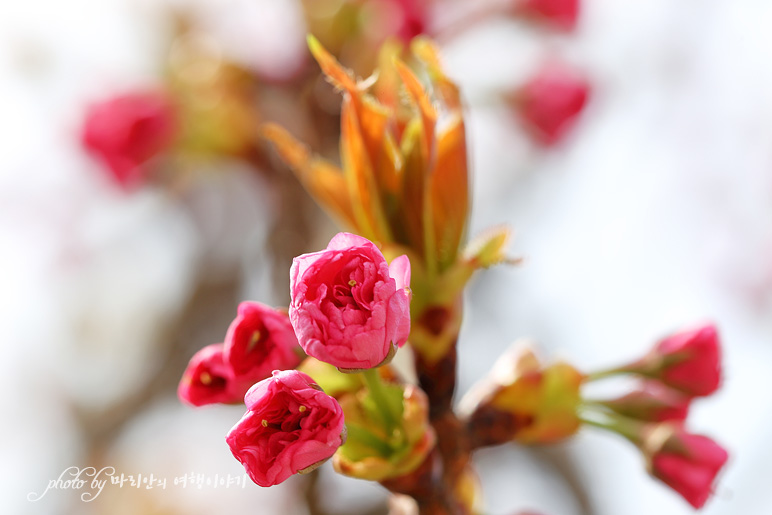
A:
[654,214]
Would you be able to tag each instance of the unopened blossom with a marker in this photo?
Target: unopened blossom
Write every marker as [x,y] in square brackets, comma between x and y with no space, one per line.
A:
[689,360]
[686,462]
[260,340]
[349,307]
[561,13]
[550,101]
[129,130]
[412,17]
[207,379]
[291,426]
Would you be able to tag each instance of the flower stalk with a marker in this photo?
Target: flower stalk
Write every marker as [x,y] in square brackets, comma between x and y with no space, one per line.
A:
[375,388]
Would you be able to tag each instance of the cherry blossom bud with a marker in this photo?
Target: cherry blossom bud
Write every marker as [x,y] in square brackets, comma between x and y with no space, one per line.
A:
[550,101]
[291,426]
[689,361]
[207,380]
[686,462]
[561,13]
[349,307]
[129,130]
[260,340]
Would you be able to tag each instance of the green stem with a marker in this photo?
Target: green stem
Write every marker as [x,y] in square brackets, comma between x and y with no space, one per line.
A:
[597,405]
[630,429]
[611,372]
[375,387]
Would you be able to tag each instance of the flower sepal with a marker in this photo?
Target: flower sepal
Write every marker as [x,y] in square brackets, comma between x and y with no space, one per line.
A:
[389,432]
[524,400]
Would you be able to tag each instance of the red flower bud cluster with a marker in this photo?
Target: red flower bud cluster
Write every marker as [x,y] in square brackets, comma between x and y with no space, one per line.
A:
[679,368]
[350,309]
[259,341]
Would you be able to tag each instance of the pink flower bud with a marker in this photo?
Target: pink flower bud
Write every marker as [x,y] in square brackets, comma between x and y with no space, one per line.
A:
[687,463]
[291,426]
[413,17]
[562,13]
[207,379]
[350,308]
[260,340]
[550,101]
[689,361]
[127,131]
[653,402]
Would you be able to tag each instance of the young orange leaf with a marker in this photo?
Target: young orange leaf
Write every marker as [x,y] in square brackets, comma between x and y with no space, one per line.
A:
[425,50]
[360,180]
[339,76]
[449,187]
[419,97]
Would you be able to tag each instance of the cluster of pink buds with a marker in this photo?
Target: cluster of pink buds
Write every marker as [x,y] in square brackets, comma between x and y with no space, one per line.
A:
[530,402]
[350,310]
[550,101]
[653,416]
[259,341]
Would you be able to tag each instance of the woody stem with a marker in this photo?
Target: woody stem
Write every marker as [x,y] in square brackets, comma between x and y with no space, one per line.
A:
[437,377]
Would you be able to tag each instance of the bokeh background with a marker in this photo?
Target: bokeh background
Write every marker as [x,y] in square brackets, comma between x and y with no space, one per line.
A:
[653,212]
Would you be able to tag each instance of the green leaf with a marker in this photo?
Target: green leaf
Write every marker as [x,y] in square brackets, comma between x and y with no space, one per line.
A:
[489,248]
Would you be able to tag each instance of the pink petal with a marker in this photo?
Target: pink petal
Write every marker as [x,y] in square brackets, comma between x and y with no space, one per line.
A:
[346,240]
[399,270]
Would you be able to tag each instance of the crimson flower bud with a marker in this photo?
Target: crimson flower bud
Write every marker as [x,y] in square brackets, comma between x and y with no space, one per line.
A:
[550,101]
[260,340]
[689,361]
[207,380]
[685,462]
[561,13]
[291,426]
[129,130]
[411,16]
[349,307]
